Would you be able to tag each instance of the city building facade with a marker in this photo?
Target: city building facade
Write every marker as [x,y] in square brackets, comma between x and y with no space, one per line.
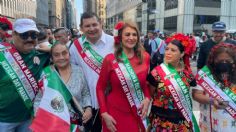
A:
[101,10]
[14,9]
[120,10]
[42,18]
[53,13]
[71,14]
[90,5]
[57,13]
[185,16]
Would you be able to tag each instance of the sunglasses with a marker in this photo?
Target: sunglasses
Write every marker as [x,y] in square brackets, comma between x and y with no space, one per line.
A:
[26,35]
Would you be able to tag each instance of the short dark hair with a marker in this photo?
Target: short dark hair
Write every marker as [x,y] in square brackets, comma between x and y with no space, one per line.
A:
[42,34]
[86,15]
[47,27]
[67,31]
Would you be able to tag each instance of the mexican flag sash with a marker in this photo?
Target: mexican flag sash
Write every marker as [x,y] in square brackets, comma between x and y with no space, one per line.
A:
[179,92]
[53,108]
[15,67]
[131,87]
[213,88]
[90,57]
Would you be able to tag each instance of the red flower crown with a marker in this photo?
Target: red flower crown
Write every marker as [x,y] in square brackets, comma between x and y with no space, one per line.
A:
[118,27]
[6,21]
[189,45]
[222,44]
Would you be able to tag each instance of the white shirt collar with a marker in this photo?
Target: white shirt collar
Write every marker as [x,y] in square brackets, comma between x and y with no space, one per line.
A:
[68,43]
[102,40]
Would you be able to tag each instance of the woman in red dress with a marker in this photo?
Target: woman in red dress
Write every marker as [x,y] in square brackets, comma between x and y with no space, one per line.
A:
[122,89]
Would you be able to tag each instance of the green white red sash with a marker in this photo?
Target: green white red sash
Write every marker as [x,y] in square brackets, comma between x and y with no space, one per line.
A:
[208,83]
[131,87]
[90,57]
[15,67]
[179,92]
[53,108]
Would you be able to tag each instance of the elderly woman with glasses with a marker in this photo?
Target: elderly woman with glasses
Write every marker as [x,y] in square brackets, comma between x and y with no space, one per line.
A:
[216,91]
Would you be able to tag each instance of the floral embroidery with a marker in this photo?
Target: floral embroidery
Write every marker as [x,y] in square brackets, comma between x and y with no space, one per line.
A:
[162,125]
[162,96]
[233,88]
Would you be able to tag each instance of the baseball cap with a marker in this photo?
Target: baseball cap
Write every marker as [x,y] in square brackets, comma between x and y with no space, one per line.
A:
[24,25]
[156,31]
[218,26]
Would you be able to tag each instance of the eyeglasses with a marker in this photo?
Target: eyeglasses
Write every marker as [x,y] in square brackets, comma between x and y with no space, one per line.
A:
[26,35]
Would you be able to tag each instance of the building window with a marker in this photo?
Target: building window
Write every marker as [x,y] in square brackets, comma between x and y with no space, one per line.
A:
[152,4]
[170,23]
[139,11]
[151,24]
[171,4]
[204,19]
[208,3]
[139,25]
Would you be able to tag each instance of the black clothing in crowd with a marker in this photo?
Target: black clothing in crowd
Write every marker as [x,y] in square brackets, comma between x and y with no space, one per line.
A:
[205,48]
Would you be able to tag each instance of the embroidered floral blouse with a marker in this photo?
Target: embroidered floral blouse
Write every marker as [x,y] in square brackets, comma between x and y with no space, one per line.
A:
[162,96]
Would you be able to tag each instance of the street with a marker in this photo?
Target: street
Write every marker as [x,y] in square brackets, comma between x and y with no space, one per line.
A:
[195,104]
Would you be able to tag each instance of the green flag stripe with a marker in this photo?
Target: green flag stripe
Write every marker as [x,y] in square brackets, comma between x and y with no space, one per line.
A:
[55,82]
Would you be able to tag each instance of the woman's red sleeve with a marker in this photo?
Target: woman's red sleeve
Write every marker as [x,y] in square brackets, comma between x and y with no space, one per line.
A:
[146,89]
[102,84]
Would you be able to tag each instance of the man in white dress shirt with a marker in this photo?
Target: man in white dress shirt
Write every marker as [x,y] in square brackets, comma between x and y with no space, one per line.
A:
[63,35]
[88,52]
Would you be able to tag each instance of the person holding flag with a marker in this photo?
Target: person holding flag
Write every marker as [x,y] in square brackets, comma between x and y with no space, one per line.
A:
[216,91]
[122,90]
[66,98]
[170,83]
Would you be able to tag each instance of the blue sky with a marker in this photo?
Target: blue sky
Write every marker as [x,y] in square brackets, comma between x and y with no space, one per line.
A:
[79,6]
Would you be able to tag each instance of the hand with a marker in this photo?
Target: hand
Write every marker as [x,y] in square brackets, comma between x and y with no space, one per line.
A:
[144,107]
[220,104]
[110,121]
[87,115]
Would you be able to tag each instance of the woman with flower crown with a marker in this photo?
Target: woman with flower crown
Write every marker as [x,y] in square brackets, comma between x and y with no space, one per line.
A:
[122,90]
[216,91]
[172,107]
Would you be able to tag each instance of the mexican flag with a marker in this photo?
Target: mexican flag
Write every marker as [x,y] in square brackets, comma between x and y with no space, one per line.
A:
[53,113]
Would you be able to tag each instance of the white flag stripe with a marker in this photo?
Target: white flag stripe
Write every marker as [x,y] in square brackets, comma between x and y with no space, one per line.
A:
[50,94]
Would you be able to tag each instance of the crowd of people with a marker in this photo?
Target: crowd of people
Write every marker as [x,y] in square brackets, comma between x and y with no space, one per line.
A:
[60,80]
